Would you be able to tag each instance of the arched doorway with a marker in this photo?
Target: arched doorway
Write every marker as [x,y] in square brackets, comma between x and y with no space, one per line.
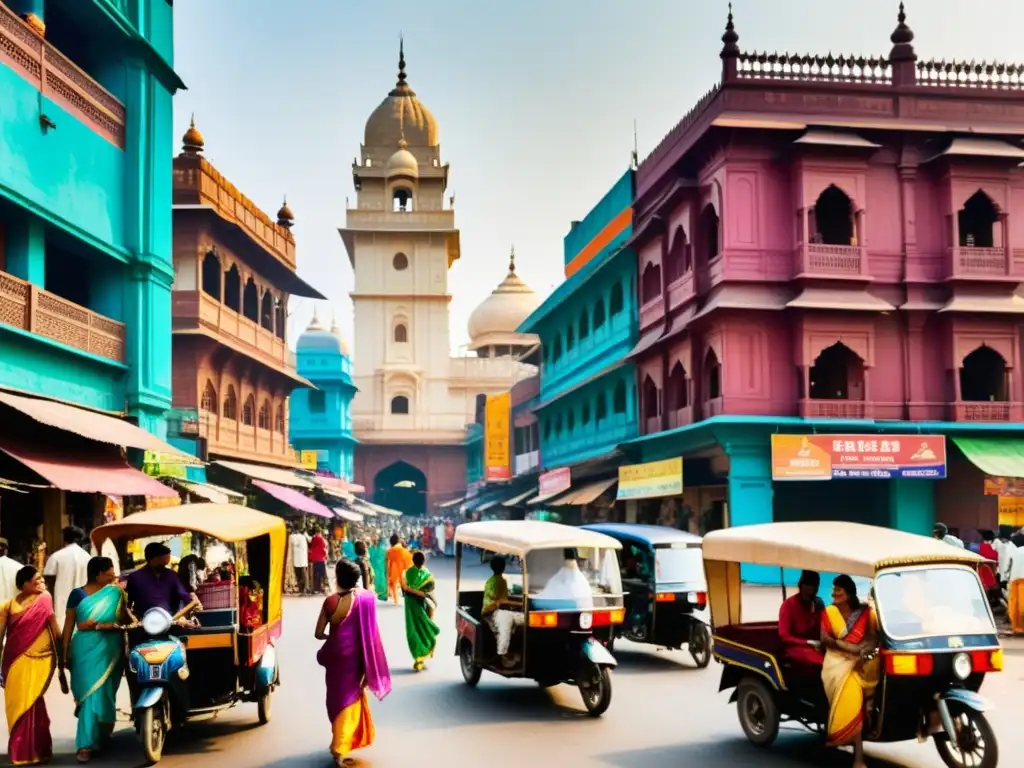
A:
[401,487]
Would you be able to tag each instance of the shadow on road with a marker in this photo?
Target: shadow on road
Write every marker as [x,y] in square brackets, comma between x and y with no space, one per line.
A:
[200,739]
[645,662]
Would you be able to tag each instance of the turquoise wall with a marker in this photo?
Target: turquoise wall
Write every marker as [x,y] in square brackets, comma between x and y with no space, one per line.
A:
[616,200]
[474,453]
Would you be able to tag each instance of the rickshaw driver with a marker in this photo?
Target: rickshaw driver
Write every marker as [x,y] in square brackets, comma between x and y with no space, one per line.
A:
[800,622]
[569,584]
[496,613]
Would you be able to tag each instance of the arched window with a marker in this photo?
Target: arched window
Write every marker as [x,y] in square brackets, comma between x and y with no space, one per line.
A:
[708,234]
[267,311]
[249,411]
[208,402]
[976,221]
[402,200]
[832,219]
[279,318]
[650,283]
[837,374]
[400,262]
[251,301]
[279,420]
[601,409]
[401,333]
[211,275]
[598,314]
[263,422]
[712,375]
[617,302]
[983,377]
[556,349]
[558,425]
[678,256]
[570,338]
[570,420]
[586,414]
[619,398]
[650,396]
[230,404]
[584,327]
[233,289]
[547,429]
[676,395]
[317,401]
[400,404]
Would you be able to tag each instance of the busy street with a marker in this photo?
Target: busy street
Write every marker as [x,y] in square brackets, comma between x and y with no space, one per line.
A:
[665,713]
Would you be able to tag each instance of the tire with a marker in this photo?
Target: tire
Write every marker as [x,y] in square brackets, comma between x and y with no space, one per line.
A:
[758,712]
[976,735]
[597,690]
[470,671]
[153,734]
[263,707]
[700,645]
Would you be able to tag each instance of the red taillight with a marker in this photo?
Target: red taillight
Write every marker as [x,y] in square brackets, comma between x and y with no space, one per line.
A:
[987,661]
[607,617]
[909,664]
[702,599]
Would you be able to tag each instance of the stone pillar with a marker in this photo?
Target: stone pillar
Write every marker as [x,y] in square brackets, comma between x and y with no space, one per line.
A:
[912,505]
[25,249]
[751,494]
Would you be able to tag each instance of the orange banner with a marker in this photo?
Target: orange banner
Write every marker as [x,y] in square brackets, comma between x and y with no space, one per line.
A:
[824,457]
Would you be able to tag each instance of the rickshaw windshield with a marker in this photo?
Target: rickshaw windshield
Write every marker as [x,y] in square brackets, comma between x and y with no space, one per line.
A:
[932,602]
[595,578]
[678,565]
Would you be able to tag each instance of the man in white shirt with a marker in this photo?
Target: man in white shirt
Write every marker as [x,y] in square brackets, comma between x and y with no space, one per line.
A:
[941,532]
[569,583]
[9,568]
[66,570]
[298,546]
[1005,549]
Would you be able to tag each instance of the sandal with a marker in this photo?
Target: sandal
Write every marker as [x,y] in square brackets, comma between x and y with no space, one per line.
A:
[84,755]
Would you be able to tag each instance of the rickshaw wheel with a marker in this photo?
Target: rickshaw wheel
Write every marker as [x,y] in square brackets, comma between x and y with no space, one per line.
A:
[977,746]
[597,691]
[758,713]
[700,646]
[470,671]
[263,708]
[153,735]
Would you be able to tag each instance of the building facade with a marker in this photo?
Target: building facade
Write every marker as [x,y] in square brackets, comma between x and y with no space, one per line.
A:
[832,246]
[234,272]
[320,419]
[414,397]
[85,208]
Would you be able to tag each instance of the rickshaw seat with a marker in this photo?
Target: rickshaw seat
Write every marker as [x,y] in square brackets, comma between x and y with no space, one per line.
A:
[761,636]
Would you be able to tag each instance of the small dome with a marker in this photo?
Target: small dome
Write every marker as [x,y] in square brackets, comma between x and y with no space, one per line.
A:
[285,217]
[318,339]
[501,313]
[400,116]
[192,141]
[402,163]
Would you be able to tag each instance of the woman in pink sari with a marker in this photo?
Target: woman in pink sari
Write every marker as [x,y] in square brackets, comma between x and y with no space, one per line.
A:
[30,632]
[354,660]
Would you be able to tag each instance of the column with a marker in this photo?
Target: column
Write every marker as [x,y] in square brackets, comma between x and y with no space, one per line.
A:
[751,494]
[912,505]
[25,249]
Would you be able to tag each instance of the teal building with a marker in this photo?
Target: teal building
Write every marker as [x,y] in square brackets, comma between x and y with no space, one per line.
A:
[85,203]
[586,403]
[320,419]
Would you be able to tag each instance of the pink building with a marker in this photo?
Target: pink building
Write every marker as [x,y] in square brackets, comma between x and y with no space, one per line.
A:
[834,244]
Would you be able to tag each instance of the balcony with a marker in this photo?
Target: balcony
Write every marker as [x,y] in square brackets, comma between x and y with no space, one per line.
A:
[986,263]
[836,261]
[228,437]
[836,409]
[581,445]
[28,308]
[439,221]
[680,417]
[987,411]
[652,424]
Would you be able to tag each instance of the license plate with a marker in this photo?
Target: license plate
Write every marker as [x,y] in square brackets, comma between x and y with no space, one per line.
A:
[155,673]
[586,620]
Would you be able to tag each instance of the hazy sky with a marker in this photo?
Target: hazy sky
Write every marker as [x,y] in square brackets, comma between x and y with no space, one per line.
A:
[535,102]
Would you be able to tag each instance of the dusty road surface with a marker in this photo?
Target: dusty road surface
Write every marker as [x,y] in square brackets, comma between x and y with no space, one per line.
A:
[664,714]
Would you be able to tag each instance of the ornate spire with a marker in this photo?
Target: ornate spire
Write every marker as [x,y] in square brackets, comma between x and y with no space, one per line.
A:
[730,38]
[902,39]
[401,87]
[285,217]
[512,262]
[334,323]
[314,324]
[192,142]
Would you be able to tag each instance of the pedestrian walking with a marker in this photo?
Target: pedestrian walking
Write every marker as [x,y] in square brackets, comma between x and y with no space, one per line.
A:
[298,549]
[378,559]
[318,559]
[94,652]
[66,569]
[30,631]
[398,561]
[365,567]
[420,630]
[9,568]
[353,660]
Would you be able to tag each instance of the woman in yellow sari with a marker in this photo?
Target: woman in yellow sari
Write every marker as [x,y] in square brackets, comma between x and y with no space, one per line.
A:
[848,634]
[29,629]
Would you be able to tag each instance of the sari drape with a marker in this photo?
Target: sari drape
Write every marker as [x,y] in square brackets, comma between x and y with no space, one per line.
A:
[420,630]
[96,663]
[28,665]
[846,677]
[380,574]
[354,662]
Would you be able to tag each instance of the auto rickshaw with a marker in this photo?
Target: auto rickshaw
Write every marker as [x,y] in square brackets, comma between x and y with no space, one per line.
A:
[937,637]
[185,674]
[556,641]
[663,577]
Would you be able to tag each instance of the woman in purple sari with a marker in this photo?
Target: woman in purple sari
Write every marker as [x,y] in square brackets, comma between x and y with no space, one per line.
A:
[354,660]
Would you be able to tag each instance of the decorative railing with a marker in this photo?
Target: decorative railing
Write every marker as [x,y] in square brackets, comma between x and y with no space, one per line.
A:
[264,344]
[817,258]
[987,411]
[680,417]
[24,306]
[972,74]
[835,409]
[979,261]
[57,78]
[761,65]
[688,119]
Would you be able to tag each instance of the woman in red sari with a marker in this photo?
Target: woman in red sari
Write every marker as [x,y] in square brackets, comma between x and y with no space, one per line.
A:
[30,655]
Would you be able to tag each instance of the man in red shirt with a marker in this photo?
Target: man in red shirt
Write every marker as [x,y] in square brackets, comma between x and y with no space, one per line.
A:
[800,622]
[318,559]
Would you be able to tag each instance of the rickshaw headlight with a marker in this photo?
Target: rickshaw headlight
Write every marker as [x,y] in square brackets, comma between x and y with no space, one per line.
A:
[183,673]
[962,666]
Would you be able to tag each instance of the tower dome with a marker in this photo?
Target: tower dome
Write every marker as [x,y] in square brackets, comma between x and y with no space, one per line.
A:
[401,116]
[496,318]
[402,163]
[319,340]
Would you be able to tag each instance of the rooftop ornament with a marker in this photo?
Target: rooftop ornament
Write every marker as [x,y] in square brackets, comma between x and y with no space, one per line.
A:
[192,142]
[285,217]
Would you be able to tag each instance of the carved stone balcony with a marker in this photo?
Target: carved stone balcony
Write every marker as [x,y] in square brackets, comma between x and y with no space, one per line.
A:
[24,306]
[840,261]
[986,263]
[987,411]
[836,409]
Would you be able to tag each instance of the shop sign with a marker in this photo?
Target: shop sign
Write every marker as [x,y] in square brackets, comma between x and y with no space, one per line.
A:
[652,480]
[1011,511]
[555,481]
[308,460]
[1004,486]
[162,502]
[824,457]
[163,465]
[497,437]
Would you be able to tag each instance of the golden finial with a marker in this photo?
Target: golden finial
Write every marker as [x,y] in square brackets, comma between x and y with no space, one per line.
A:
[285,217]
[192,142]
[512,261]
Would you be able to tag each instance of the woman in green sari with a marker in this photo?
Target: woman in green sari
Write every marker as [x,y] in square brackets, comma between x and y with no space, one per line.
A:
[378,561]
[420,630]
[94,647]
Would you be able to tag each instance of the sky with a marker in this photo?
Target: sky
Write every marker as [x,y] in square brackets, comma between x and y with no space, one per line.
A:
[535,103]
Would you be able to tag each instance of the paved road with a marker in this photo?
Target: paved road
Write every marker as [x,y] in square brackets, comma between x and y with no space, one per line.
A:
[665,713]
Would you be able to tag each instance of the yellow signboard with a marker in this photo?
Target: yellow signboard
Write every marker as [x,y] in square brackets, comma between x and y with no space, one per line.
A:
[497,437]
[652,480]
[1011,511]
[308,460]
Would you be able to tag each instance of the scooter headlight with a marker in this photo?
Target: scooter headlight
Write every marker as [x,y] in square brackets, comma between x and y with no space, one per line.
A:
[962,666]
[183,673]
